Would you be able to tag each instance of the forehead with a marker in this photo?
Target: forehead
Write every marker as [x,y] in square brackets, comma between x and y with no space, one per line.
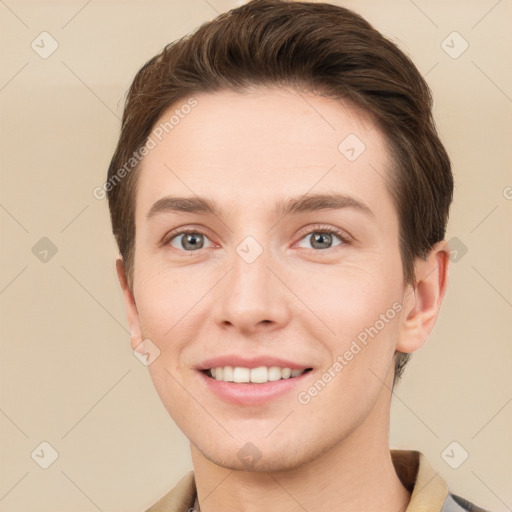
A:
[270,143]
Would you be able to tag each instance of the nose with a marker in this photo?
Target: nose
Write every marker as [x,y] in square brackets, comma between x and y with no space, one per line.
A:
[251,298]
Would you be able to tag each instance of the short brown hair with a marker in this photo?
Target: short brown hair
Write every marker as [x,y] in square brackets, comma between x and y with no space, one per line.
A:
[317,46]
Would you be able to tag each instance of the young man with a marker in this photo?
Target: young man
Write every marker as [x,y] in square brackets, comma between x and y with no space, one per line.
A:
[279,196]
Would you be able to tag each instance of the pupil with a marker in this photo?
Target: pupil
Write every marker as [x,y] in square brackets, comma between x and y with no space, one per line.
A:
[191,240]
[327,237]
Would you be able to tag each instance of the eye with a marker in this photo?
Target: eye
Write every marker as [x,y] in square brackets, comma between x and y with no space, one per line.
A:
[187,240]
[321,237]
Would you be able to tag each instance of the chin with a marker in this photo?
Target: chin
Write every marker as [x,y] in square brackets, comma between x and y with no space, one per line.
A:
[259,456]
[272,463]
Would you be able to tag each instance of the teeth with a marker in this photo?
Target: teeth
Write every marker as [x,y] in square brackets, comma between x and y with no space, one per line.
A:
[228,373]
[258,375]
[239,374]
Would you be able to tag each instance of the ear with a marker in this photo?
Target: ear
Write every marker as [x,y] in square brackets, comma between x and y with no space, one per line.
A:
[129,302]
[422,301]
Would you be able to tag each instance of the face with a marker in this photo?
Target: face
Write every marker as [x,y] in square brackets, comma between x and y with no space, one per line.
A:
[273,276]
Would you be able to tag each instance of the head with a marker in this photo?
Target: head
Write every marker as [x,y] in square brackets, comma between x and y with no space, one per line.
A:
[271,101]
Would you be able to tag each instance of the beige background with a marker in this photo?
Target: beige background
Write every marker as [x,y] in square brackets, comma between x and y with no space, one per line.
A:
[68,376]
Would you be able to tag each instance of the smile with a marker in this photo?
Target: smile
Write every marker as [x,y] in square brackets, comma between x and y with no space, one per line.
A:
[260,375]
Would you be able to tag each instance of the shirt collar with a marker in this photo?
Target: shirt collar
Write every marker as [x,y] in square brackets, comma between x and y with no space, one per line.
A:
[428,489]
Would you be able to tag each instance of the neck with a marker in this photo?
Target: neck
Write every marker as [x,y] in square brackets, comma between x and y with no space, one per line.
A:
[355,474]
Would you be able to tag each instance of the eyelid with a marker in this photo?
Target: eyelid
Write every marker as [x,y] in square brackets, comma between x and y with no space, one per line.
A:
[345,237]
[182,231]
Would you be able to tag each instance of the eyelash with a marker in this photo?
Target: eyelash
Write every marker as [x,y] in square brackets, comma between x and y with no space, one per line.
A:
[318,228]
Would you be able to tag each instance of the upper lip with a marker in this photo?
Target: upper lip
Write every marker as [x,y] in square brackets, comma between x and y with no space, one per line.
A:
[253,362]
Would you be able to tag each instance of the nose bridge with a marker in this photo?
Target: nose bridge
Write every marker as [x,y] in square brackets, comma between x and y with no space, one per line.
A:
[250,277]
[251,295]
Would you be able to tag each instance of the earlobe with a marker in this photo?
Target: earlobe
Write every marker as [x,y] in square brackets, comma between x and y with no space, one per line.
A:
[130,305]
[423,301]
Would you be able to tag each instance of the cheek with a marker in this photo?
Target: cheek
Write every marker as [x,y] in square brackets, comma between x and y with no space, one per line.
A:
[357,315]
[352,296]
[165,306]
[364,315]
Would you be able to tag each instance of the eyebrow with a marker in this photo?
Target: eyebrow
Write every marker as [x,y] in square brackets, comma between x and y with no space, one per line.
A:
[294,205]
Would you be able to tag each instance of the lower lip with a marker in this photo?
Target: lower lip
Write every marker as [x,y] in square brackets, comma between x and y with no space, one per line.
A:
[249,393]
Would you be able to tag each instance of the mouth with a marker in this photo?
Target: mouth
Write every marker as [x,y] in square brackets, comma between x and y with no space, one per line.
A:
[259,375]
